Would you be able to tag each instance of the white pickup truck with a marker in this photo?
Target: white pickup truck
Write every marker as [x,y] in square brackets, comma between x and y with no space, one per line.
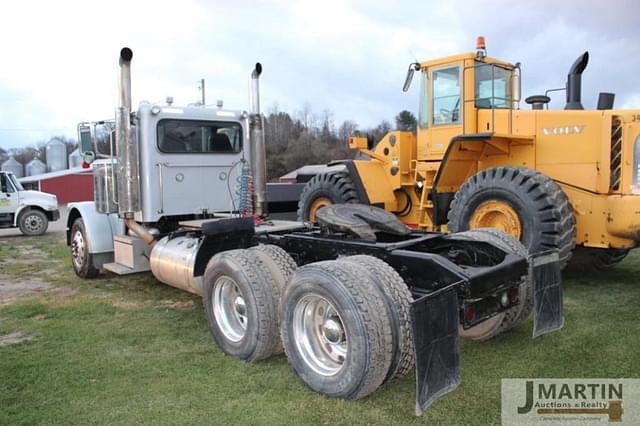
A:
[31,211]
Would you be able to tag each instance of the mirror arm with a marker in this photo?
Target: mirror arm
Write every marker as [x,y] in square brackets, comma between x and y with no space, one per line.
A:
[414,66]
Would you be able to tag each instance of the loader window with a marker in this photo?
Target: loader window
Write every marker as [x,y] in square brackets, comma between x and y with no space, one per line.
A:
[446,95]
[190,136]
[423,116]
[493,86]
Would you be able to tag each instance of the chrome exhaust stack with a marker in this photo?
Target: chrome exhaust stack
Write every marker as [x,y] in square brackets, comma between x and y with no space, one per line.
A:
[128,181]
[257,147]
[126,146]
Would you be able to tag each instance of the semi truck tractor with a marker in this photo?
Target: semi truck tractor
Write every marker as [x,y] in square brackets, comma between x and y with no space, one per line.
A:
[354,302]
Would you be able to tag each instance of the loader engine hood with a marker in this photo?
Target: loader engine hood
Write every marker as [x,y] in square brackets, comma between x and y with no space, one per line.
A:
[42,199]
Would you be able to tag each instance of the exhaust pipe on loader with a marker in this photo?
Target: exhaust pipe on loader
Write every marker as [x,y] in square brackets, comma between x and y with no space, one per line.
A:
[574,82]
[258,154]
[127,153]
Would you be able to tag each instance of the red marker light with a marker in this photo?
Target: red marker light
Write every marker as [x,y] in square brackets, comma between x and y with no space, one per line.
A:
[85,165]
[470,313]
[513,295]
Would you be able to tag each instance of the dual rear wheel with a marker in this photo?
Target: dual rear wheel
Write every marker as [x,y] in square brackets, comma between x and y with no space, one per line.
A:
[344,325]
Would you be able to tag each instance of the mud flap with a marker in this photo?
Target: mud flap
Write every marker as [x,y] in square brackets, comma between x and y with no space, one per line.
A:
[435,332]
[547,293]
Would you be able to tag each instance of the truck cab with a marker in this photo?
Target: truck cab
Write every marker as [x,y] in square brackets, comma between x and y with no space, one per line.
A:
[183,152]
[31,211]
[191,162]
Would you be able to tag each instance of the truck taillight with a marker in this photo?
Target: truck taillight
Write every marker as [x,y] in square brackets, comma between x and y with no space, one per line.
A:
[470,313]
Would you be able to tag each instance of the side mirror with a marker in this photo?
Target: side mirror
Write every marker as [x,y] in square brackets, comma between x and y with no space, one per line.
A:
[84,138]
[407,81]
[3,183]
[85,141]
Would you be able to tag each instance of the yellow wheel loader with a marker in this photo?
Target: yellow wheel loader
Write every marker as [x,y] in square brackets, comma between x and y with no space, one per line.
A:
[554,179]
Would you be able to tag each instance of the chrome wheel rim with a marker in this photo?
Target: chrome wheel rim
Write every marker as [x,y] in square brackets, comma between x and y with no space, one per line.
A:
[33,223]
[229,308]
[77,249]
[319,335]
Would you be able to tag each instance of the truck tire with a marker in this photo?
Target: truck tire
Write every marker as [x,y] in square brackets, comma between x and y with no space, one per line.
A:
[281,266]
[335,330]
[240,297]
[597,258]
[521,202]
[283,262]
[515,315]
[324,190]
[33,222]
[81,259]
[397,300]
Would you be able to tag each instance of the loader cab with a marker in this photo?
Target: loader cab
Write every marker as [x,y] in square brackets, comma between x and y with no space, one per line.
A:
[460,95]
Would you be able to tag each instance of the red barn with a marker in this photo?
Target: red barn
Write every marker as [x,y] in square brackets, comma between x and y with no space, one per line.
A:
[68,185]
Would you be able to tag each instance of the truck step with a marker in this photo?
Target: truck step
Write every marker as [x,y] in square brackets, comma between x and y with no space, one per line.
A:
[120,269]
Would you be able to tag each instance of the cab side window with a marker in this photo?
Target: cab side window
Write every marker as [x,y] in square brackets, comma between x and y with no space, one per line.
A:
[423,116]
[5,184]
[446,95]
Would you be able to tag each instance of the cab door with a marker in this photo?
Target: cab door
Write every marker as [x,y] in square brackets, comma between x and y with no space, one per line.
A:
[8,198]
[446,109]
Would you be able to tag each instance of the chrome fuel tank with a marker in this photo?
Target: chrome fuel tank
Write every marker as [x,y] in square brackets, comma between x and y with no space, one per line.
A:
[172,262]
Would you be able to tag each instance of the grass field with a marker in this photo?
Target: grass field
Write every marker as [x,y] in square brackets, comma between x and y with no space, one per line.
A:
[123,350]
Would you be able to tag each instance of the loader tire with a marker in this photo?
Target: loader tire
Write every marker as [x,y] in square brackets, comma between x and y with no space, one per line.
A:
[81,259]
[397,298]
[534,209]
[324,190]
[335,330]
[596,258]
[240,296]
[511,317]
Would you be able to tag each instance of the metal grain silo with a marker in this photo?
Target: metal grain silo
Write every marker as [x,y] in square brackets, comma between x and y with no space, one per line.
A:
[75,159]
[36,167]
[56,155]
[13,166]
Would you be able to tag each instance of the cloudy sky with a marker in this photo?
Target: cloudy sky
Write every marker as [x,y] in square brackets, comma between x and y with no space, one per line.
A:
[59,62]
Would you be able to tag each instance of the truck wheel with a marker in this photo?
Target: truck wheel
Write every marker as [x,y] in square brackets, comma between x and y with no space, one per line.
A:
[596,258]
[335,330]
[397,300]
[521,202]
[241,302]
[515,315]
[33,222]
[324,190]
[81,259]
